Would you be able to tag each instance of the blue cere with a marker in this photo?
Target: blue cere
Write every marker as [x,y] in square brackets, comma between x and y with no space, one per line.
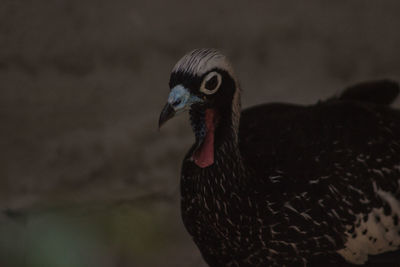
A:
[180,98]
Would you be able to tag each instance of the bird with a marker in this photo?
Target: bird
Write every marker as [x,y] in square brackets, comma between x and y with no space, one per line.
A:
[282,184]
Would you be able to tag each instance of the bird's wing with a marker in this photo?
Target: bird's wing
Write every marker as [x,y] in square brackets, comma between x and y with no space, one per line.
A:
[323,166]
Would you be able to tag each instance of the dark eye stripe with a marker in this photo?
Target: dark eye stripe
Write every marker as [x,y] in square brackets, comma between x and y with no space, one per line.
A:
[212,83]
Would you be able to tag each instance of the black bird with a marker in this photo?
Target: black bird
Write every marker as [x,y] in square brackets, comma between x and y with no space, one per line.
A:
[283,184]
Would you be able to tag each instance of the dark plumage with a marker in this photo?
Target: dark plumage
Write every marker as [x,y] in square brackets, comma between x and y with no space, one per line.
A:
[283,184]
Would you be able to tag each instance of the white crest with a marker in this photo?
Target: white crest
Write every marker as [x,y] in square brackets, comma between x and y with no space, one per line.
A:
[199,61]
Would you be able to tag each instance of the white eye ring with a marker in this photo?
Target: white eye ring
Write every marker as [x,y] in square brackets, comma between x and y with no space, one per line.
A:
[210,76]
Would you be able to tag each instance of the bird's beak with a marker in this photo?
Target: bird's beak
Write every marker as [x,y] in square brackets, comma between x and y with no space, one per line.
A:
[167,113]
[179,100]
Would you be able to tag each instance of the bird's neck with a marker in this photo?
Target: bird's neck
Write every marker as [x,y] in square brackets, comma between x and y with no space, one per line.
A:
[216,131]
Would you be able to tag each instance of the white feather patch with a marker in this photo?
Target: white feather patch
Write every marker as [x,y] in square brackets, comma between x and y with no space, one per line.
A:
[377,235]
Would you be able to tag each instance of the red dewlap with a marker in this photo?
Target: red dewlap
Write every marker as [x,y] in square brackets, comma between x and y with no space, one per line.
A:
[204,155]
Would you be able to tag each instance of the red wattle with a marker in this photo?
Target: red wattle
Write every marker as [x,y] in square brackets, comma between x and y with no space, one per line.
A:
[204,155]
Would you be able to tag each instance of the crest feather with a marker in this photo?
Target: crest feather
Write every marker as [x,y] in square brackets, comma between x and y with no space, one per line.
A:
[199,61]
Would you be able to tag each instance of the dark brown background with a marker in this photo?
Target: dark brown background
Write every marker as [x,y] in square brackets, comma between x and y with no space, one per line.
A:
[85,177]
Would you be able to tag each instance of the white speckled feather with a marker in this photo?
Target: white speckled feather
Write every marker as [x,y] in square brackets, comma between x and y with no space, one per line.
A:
[377,235]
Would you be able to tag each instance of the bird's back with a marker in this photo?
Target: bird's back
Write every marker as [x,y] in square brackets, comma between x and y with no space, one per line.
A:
[282,135]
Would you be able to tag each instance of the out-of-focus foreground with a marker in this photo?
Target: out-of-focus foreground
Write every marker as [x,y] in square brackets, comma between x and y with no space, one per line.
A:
[86,179]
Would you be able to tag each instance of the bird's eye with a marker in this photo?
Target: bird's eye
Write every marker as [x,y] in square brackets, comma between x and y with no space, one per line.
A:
[211,83]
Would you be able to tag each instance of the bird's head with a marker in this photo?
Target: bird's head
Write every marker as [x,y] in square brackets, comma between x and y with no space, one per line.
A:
[203,82]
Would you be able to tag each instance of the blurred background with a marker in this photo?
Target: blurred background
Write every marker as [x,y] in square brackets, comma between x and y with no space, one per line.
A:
[86,179]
